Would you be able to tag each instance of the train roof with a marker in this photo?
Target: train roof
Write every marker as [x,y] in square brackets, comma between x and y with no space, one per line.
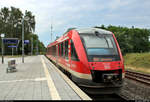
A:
[83,31]
[93,30]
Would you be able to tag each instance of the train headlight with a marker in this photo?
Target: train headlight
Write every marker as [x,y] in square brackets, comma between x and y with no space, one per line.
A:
[109,77]
[123,75]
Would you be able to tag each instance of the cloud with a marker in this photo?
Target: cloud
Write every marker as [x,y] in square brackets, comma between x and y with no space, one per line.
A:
[64,14]
[115,4]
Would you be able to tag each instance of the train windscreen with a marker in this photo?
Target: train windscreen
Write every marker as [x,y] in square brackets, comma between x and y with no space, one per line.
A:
[100,47]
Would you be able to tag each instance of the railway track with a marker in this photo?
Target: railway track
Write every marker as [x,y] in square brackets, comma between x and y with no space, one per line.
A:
[107,97]
[139,77]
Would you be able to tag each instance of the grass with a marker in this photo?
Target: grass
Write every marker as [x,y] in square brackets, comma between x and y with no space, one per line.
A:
[139,62]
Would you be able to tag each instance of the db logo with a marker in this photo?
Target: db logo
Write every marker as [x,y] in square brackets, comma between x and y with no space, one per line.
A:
[106,65]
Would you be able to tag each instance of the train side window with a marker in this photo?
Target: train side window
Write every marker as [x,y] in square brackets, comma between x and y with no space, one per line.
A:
[50,50]
[66,49]
[73,52]
[59,50]
[62,49]
[54,50]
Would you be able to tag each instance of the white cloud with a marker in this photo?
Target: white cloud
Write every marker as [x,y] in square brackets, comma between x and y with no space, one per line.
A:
[116,4]
[78,13]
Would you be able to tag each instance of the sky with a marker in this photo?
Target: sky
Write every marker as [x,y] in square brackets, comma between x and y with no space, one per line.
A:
[64,14]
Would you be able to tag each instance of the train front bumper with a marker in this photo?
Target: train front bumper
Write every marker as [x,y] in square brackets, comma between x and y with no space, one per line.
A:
[89,83]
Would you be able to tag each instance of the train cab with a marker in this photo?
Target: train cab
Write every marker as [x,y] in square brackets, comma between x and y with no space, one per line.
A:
[92,57]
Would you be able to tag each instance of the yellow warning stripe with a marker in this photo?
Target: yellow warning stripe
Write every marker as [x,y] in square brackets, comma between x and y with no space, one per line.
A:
[53,91]
[80,93]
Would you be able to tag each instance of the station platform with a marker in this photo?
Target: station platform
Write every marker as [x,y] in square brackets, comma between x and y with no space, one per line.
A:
[37,79]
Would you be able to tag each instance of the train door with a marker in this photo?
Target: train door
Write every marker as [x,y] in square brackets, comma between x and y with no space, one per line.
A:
[69,52]
[57,54]
[66,53]
[74,57]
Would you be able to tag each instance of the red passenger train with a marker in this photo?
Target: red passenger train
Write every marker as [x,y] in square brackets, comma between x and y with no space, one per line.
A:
[91,57]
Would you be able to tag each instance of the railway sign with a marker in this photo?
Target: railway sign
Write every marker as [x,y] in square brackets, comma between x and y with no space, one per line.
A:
[26,41]
[10,40]
[12,46]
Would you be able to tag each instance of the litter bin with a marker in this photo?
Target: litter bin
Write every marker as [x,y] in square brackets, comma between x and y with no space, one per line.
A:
[11,66]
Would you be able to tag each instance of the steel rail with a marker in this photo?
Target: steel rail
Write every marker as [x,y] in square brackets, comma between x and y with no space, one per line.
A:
[139,77]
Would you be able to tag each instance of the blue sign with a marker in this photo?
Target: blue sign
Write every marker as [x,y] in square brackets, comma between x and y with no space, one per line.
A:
[12,46]
[26,41]
[10,41]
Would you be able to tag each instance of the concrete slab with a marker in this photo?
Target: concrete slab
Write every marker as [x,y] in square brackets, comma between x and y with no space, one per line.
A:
[28,83]
[31,81]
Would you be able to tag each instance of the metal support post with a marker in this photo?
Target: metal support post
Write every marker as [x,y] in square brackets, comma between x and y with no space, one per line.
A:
[23,40]
[12,51]
[31,46]
[37,48]
[2,52]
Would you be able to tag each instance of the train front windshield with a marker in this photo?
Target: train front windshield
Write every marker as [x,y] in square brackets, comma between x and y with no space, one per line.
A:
[100,47]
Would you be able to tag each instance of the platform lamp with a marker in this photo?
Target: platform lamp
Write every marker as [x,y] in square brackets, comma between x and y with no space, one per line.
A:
[24,18]
[2,36]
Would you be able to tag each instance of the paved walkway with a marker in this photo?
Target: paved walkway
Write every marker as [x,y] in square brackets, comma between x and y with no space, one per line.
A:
[35,79]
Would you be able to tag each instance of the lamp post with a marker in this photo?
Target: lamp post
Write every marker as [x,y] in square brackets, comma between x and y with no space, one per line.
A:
[24,18]
[22,40]
[31,46]
[2,36]
[37,48]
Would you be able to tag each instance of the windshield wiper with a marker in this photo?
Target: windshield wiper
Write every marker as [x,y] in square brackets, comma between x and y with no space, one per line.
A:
[103,36]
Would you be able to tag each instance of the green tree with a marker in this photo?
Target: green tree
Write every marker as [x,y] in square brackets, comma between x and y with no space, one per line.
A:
[11,26]
[130,39]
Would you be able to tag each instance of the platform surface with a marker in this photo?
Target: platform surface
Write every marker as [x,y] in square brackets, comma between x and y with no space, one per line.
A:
[34,80]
